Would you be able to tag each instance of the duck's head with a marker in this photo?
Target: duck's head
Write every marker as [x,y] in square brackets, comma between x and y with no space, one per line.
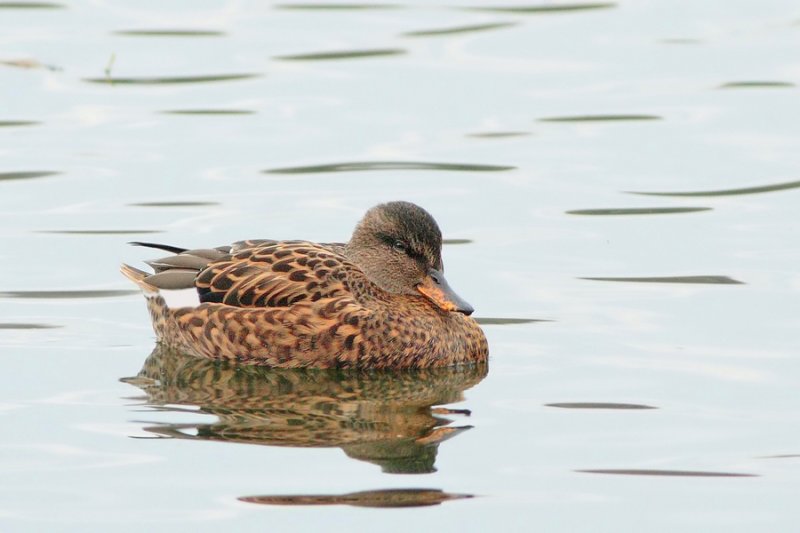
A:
[399,247]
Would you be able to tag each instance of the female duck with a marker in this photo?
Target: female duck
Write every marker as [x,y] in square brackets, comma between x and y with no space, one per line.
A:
[378,301]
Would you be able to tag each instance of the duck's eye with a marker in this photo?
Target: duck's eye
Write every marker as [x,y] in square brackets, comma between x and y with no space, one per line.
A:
[400,246]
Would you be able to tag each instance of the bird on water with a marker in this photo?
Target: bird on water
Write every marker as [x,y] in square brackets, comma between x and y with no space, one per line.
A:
[378,301]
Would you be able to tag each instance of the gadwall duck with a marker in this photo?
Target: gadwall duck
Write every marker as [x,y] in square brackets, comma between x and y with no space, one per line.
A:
[378,301]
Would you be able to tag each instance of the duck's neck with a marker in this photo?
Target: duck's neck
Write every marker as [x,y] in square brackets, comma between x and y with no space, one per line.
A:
[370,261]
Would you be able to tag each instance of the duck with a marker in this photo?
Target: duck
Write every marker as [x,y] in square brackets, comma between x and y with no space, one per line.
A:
[379,300]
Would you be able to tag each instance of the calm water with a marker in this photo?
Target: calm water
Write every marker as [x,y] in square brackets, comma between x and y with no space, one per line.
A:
[619,183]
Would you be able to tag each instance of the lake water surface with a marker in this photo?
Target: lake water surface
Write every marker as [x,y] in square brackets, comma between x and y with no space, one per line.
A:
[619,186]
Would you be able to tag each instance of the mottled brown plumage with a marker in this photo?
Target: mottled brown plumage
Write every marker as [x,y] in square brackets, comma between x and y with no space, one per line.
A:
[378,301]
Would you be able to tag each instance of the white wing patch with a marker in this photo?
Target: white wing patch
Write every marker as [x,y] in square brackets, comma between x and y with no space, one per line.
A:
[180,298]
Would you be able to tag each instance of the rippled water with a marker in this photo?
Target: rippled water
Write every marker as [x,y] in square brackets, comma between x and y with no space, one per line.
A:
[617,184]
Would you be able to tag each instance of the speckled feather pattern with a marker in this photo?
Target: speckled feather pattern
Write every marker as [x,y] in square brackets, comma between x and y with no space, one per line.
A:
[302,304]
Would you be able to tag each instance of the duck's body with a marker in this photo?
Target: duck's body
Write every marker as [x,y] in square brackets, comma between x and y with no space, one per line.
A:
[378,301]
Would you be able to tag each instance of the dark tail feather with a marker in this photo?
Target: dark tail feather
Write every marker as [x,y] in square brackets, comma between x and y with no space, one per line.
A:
[165,247]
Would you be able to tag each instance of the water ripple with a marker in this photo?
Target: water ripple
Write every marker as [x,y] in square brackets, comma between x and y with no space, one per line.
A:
[174,204]
[26,325]
[343,54]
[28,64]
[65,295]
[544,8]
[727,192]
[336,7]
[459,29]
[100,231]
[498,134]
[169,80]
[170,33]
[8,176]
[637,211]
[655,472]
[492,321]
[709,280]
[31,5]
[599,405]
[209,112]
[757,85]
[602,118]
[359,166]
[15,123]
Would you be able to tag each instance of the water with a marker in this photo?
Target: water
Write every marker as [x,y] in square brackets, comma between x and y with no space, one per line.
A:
[643,365]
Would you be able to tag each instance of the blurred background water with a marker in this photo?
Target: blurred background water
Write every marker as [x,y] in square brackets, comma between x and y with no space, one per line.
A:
[644,359]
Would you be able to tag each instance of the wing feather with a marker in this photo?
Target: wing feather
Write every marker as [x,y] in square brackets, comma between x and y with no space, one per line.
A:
[275,274]
[259,273]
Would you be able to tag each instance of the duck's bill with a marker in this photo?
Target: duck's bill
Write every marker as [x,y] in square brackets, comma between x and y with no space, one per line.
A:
[435,288]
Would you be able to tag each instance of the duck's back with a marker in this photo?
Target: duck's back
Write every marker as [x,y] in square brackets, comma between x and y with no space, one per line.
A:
[277,275]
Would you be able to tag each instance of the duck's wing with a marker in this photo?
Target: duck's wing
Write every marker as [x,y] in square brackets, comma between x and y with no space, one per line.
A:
[275,274]
[238,246]
[263,273]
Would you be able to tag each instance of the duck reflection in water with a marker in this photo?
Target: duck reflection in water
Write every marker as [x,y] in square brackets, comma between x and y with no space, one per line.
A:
[385,417]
